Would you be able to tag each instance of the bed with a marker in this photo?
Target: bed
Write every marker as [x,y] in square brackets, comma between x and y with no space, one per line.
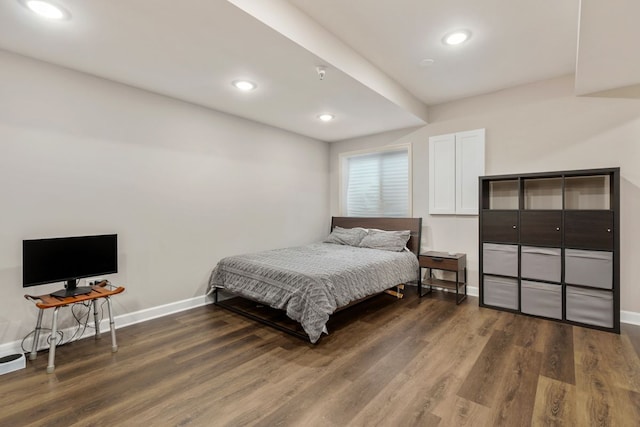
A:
[312,282]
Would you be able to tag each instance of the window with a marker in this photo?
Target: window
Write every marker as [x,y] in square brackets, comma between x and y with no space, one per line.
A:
[376,183]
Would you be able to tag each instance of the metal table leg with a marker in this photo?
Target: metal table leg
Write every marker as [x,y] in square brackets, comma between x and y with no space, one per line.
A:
[95,318]
[52,345]
[34,347]
[112,325]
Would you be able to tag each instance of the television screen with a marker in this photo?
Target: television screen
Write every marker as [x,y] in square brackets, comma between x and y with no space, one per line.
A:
[68,258]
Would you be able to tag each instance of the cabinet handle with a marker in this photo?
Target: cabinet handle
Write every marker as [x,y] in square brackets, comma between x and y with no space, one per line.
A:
[557,228]
[437,259]
[514,227]
[608,230]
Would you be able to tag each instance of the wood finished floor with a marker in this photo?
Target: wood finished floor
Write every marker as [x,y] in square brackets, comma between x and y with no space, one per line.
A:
[388,362]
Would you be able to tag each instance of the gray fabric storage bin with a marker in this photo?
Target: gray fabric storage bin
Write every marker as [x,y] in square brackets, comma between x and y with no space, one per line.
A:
[541,263]
[590,268]
[500,259]
[500,292]
[590,306]
[541,299]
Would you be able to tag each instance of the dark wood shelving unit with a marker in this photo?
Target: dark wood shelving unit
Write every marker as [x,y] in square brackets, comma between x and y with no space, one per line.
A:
[549,245]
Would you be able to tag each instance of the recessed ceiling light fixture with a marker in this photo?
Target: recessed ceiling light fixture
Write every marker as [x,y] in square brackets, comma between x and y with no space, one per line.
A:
[47,9]
[326,117]
[456,37]
[244,85]
[427,62]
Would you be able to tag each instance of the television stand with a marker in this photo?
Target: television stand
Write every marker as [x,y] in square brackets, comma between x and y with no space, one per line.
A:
[65,293]
[44,302]
[71,289]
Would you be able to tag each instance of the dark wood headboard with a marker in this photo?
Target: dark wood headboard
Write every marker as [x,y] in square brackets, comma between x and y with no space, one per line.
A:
[392,224]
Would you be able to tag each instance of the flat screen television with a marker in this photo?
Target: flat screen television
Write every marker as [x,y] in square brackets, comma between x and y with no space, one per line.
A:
[68,259]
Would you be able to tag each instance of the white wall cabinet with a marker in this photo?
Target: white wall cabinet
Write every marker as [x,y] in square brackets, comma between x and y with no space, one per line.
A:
[456,160]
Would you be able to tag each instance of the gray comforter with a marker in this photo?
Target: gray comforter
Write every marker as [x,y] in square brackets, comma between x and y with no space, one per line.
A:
[311,282]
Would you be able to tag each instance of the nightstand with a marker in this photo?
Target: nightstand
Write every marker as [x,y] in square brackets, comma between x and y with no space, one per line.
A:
[447,262]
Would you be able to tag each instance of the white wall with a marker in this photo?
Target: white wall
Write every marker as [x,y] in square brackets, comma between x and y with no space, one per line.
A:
[534,128]
[183,186]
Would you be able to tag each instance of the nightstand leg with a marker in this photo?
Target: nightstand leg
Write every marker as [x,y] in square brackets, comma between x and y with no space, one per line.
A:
[459,300]
[420,294]
[465,282]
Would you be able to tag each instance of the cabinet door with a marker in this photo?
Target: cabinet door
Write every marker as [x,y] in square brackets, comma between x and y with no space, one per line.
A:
[541,228]
[588,229]
[500,226]
[469,166]
[442,174]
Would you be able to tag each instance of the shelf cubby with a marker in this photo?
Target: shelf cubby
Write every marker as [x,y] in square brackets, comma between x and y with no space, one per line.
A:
[543,193]
[503,195]
[587,192]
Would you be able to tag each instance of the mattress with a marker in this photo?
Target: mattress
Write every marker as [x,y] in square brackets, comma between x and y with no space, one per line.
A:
[311,282]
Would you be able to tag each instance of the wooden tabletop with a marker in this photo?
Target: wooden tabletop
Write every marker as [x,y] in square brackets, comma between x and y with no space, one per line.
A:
[97,291]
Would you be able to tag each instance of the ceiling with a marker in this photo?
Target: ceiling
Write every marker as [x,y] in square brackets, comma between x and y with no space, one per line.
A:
[512,42]
[372,50]
[608,62]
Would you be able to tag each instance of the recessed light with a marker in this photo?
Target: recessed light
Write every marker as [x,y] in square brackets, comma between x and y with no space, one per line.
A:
[428,62]
[244,85]
[47,9]
[326,117]
[456,37]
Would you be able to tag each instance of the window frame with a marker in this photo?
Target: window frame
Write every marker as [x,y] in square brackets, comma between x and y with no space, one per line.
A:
[343,170]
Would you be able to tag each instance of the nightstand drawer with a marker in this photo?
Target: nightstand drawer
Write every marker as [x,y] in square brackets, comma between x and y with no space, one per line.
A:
[440,263]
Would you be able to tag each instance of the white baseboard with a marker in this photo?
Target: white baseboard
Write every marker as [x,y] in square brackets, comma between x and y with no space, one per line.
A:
[159,311]
[120,321]
[128,319]
[630,317]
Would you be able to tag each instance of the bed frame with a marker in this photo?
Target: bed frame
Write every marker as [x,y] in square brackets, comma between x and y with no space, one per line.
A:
[414,225]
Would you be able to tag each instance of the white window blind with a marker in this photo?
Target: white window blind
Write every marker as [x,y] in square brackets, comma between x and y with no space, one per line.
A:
[377,184]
